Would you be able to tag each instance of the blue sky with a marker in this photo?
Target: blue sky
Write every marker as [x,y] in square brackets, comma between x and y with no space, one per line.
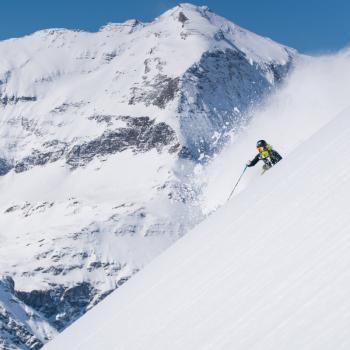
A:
[312,26]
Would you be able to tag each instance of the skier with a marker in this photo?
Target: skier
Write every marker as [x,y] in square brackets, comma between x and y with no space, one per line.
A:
[269,156]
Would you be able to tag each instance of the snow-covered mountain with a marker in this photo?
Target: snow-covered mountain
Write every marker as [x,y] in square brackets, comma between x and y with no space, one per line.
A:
[269,271]
[101,138]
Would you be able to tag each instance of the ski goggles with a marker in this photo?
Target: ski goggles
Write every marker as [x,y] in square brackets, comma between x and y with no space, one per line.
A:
[261,149]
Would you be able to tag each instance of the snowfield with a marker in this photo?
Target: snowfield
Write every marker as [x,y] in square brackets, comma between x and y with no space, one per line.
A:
[269,270]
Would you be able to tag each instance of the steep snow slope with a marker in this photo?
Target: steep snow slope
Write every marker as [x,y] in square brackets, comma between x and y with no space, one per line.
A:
[270,270]
[314,94]
[99,137]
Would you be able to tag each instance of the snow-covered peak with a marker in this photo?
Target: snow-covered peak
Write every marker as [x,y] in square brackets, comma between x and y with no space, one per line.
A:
[222,33]
[134,68]
[190,10]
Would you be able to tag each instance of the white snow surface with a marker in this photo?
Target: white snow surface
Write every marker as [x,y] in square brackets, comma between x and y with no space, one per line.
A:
[269,270]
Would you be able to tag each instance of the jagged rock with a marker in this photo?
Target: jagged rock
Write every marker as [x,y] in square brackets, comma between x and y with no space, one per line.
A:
[54,150]
[141,135]
[17,321]
[7,284]
[227,86]
[5,166]
[64,107]
[157,92]
[182,18]
[5,100]
[62,305]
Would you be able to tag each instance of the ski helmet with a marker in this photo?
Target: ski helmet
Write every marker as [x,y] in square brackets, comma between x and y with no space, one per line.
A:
[261,143]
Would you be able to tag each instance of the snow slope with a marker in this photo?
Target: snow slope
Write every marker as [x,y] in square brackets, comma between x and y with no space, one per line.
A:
[270,270]
[314,94]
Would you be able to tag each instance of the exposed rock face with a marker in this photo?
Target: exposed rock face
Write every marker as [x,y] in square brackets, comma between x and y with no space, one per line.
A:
[60,306]
[11,100]
[17,321]
[54,150]
[140,135]
[5,166]
[217,95]
[158,92]
[182,18]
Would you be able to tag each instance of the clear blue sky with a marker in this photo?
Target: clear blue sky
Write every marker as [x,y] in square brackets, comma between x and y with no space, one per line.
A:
[310,26]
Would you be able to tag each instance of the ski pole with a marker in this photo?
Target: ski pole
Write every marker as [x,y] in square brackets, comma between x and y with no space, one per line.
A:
[238,182]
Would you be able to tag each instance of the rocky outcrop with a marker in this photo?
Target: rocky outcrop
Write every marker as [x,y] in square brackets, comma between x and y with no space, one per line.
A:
[140,135]
[158,92]
[57,306]
[217,96]
[60,305]
[17,321]
[54,150]
[11,100]
[5,166]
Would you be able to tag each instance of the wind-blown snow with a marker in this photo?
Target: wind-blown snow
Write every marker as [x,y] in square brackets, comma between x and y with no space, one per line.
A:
[314,94]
